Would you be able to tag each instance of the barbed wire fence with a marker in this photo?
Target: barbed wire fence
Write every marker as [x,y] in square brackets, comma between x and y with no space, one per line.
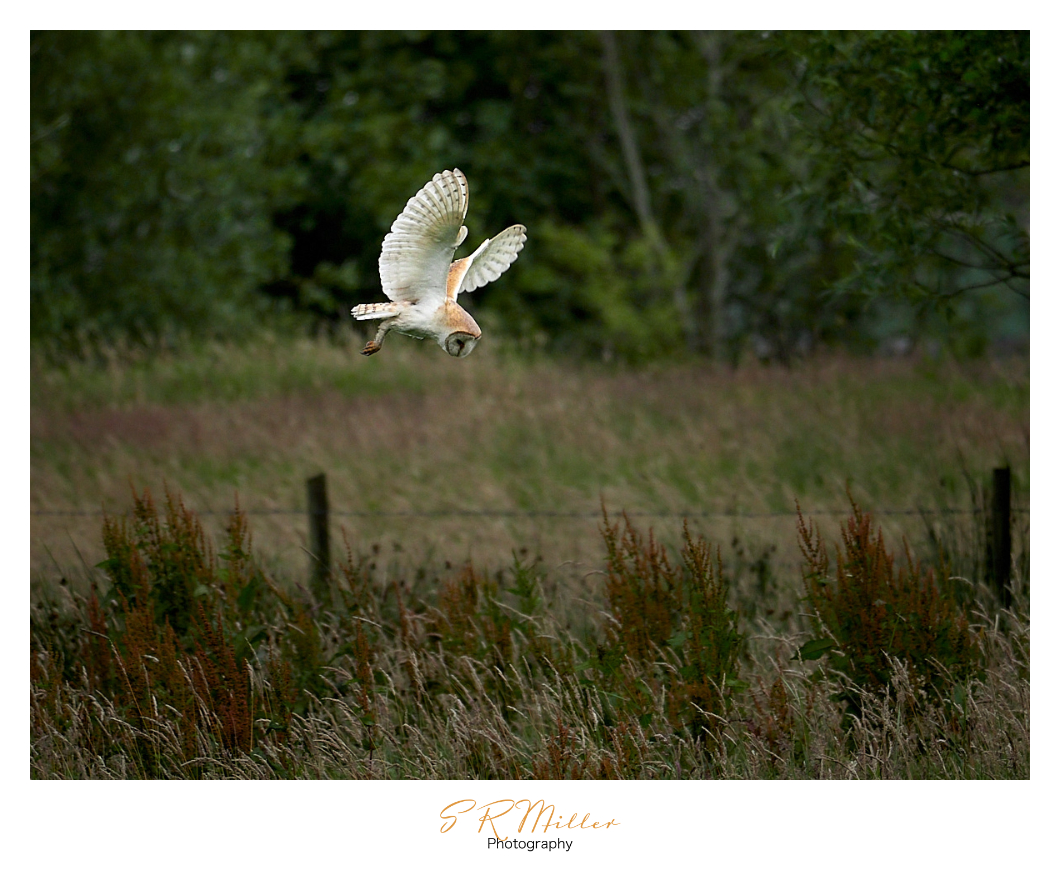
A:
[997,513]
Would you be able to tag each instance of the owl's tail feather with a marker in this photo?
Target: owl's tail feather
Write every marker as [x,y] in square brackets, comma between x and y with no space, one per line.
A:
[377,310]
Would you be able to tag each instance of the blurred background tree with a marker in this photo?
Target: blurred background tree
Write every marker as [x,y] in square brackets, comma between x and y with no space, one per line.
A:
[921,153]
[686,193]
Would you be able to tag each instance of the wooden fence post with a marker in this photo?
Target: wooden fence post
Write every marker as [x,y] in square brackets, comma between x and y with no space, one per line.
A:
[319,549]
[1001,534]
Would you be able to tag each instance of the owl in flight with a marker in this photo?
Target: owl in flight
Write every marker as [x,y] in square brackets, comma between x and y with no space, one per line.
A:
[419,274]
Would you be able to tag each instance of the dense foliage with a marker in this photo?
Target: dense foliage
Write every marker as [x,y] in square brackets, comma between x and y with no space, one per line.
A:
[702,192]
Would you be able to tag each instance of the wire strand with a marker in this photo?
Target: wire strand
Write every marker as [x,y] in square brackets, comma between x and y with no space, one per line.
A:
[510,514]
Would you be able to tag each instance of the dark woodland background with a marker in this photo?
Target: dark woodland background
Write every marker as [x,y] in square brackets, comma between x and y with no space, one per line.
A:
[721,194]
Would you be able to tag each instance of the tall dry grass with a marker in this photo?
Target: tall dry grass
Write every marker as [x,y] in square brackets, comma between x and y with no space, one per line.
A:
[480,676]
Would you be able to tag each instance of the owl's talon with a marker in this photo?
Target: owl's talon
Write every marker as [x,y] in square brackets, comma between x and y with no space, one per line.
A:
[372,347]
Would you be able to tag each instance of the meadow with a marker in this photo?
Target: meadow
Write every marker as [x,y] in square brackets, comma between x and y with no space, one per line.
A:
[486,620]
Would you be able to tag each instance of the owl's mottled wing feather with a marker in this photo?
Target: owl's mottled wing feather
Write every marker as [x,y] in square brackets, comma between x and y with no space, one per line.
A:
[418,249]
[491,260]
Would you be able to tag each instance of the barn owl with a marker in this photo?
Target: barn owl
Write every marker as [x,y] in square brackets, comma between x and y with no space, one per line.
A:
[419,274]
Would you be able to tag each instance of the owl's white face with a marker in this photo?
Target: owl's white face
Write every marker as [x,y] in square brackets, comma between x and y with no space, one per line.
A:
[460,344]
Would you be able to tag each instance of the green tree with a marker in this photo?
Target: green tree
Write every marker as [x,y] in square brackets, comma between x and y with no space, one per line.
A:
[723,156]
[921,146]
[154,165]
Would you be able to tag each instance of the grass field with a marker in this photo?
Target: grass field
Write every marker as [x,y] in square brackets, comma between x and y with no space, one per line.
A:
[410,431]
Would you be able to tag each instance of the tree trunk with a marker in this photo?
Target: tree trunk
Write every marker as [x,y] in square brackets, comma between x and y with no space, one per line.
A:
[717,250]
[641,196]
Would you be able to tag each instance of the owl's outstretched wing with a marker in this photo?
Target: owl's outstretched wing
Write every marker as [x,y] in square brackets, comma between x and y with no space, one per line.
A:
[418,249]
[491,260]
